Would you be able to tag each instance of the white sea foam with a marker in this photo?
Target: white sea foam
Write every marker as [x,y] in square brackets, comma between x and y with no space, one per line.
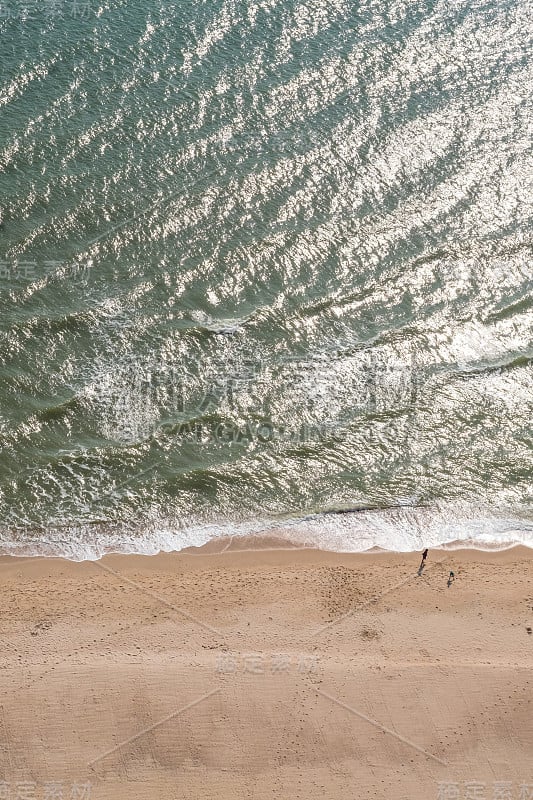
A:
[399,529]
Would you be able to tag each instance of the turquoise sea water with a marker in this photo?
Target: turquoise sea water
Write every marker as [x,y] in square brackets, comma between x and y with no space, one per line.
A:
[263,260]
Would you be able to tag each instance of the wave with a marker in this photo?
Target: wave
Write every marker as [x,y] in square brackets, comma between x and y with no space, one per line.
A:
[400,528]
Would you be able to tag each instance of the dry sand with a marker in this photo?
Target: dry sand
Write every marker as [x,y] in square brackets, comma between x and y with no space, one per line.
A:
[267,673]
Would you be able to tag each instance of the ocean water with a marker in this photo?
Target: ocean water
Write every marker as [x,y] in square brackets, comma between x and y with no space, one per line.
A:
[261,261]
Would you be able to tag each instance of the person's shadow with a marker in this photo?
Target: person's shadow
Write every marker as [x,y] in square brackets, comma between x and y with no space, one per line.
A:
[421,568]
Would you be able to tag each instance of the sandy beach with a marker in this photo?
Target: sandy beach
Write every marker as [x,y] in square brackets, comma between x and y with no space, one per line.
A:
[268,672]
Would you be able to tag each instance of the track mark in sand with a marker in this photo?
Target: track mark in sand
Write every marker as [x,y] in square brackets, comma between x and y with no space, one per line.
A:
[371,601]
[157,724]
[381,727]
[157,597]
[5,738]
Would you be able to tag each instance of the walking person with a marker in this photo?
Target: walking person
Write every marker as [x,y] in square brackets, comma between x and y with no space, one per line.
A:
[423,562]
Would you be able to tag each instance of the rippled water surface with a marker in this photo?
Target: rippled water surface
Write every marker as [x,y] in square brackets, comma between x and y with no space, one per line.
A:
[260,261]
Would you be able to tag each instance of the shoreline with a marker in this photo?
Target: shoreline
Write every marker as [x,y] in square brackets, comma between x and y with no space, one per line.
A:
[272,541]
[400,529]
[267,552]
